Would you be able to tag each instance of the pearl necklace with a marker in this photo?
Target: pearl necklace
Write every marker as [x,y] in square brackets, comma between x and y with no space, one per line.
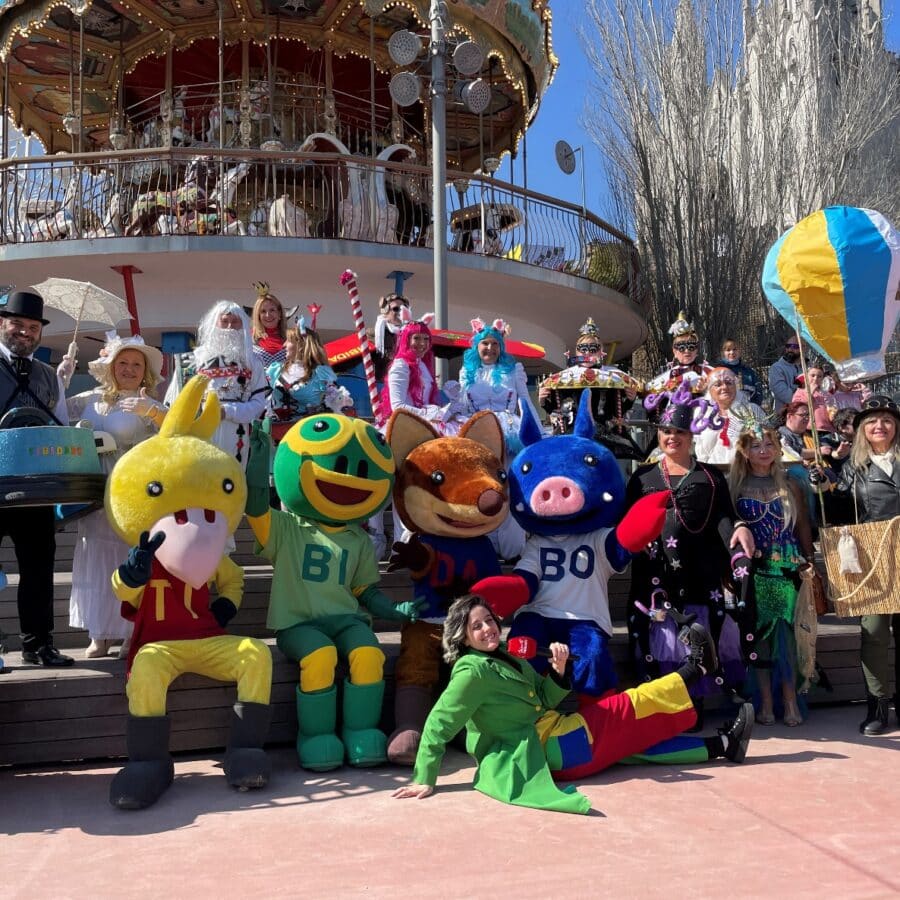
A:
[674,492]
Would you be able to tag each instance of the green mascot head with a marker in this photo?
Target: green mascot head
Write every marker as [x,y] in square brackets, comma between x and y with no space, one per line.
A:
[334,469]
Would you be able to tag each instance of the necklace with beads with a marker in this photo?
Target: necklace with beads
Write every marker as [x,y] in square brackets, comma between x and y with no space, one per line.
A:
[674,492]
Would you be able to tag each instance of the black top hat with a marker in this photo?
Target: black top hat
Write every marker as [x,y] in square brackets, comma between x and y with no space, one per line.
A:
[25,304]
[877,403]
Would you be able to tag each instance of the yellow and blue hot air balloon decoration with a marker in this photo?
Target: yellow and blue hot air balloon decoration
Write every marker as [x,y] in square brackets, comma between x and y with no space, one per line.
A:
[834,277]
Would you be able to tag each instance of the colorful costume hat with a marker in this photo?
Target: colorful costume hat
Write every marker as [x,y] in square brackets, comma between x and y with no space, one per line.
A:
[681,327]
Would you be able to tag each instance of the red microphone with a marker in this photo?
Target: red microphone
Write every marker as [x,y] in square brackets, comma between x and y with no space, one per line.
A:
[526,648]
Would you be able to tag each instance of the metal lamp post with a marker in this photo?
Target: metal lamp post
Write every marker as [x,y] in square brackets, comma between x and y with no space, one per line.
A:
[437,18]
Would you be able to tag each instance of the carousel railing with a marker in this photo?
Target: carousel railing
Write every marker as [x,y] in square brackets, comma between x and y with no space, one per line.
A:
[280,193]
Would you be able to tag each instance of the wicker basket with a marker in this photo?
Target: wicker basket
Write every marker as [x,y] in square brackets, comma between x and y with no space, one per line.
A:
[877,589]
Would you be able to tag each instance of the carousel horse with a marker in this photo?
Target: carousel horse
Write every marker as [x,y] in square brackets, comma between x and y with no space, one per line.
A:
[157,211]
[111,225]
[45,218]
[219,201]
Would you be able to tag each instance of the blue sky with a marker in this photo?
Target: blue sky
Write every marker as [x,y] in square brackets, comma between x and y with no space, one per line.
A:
[561,112]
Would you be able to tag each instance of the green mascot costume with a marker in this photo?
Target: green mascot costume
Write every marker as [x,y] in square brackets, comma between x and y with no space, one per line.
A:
[332,473]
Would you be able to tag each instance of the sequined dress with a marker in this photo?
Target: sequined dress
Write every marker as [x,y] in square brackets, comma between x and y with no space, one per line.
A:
[775,580]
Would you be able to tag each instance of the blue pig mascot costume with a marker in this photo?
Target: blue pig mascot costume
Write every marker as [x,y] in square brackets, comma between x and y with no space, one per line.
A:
[567,493]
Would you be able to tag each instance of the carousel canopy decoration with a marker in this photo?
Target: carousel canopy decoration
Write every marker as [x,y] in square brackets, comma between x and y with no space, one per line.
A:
[114,60]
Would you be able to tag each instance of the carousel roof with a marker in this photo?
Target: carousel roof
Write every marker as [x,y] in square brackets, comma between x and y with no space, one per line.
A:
[40,40]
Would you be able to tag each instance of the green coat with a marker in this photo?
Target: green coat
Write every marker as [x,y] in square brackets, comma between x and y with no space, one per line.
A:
[498,703]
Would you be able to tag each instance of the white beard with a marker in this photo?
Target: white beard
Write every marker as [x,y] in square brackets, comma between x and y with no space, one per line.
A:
[227,343]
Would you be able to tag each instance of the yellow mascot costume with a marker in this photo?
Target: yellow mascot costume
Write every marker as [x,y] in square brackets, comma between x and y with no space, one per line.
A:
[177,498]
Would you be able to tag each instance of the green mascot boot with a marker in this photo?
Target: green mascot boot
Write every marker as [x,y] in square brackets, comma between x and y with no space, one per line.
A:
[365,744]
[318,746]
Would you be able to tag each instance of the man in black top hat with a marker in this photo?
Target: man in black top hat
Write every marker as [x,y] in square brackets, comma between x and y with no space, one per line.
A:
[27,382]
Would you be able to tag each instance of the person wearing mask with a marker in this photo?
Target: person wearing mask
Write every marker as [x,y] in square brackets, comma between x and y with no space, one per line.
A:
[686,367]
[748,380]
[782,374]
[28,382]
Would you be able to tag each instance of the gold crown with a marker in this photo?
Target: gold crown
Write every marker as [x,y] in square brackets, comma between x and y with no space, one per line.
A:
[262,288]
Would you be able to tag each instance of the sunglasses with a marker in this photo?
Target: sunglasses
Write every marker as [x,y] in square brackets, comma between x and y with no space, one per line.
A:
[395,308]
[686,346]
[792,346]
[589,348]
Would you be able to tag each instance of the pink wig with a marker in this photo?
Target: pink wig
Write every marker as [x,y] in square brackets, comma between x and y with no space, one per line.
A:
[405,355]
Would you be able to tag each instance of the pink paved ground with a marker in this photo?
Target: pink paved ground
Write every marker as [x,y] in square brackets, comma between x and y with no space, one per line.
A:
[813,812]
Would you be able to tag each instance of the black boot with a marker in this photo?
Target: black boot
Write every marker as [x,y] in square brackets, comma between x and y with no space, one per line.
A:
[736,735]
[879,724]
[701,659]
[871,710]
[149,770]
[246,763]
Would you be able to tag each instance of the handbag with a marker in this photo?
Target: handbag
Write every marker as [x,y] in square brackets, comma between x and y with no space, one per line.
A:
[874,590]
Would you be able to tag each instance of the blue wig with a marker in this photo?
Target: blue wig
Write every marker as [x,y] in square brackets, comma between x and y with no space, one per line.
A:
[472,361]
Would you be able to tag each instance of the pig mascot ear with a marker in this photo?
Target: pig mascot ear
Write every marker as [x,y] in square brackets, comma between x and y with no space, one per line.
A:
[529,430]
[584,421]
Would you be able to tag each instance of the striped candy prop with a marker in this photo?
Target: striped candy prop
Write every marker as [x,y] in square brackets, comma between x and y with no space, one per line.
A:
[834,277]
[348,280]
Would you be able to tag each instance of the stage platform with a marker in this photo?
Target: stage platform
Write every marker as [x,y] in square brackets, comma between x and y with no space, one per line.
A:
[53,715]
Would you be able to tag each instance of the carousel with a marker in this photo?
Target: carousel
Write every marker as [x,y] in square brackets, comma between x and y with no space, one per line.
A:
[257,138]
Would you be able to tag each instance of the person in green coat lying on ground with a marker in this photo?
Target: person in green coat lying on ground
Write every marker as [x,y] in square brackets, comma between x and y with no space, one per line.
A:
[517,737]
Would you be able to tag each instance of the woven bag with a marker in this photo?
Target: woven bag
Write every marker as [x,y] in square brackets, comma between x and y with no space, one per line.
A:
[877,589]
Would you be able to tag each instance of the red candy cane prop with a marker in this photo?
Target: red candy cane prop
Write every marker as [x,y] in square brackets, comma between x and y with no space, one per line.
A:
[348,280]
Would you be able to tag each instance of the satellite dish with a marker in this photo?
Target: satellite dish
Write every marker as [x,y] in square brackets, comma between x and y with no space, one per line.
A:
[565,157]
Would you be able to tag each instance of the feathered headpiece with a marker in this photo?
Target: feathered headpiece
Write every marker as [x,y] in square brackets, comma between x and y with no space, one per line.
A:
[751,423]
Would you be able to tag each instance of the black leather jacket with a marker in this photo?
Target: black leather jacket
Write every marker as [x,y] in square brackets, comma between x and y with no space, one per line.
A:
[877,494]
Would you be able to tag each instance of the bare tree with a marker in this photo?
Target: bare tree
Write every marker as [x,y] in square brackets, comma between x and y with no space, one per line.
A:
[722,125]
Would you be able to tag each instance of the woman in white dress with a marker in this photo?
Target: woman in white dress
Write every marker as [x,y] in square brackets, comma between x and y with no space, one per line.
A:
[126,372]
[490,379]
